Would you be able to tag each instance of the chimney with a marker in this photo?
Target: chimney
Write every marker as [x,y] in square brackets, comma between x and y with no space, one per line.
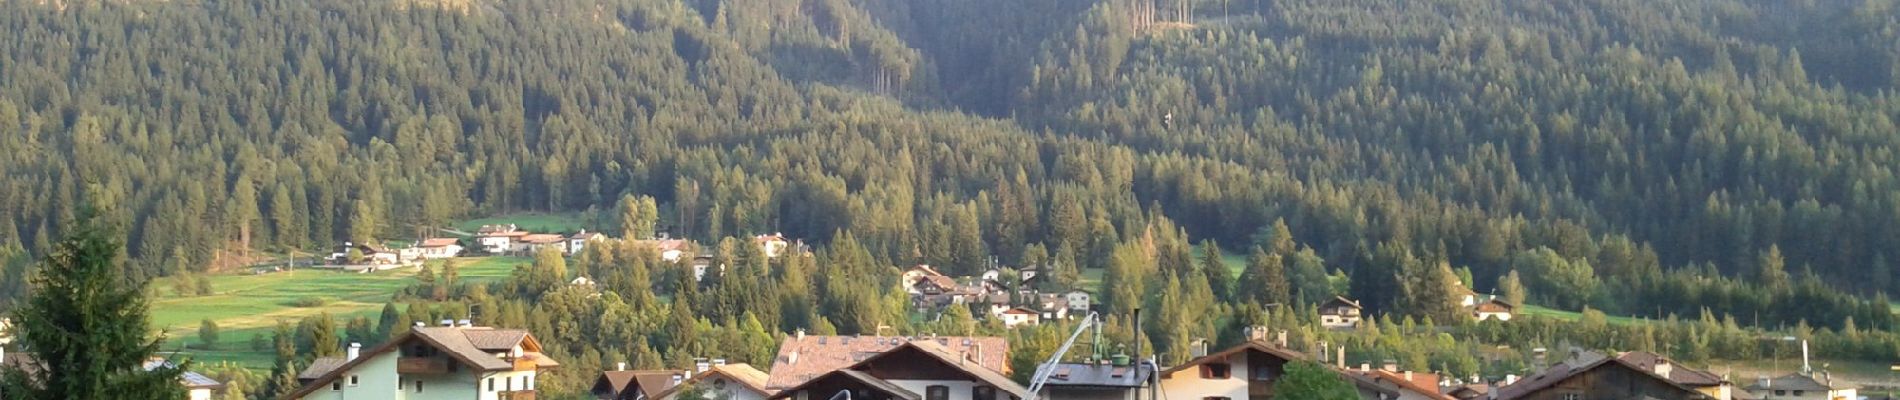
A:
[800,335]
[976,353]
[1281,340]
[718,362]
[1341,357]
[1199,348]
[1663,368]
[701,365]
[1365,367]
[1408,375]
[465,323]
[355,350]
[420,324]
[677,378]
[1390,365]
[1541,356]
[792,359]
[448,322]
[1509,379]
[620,366]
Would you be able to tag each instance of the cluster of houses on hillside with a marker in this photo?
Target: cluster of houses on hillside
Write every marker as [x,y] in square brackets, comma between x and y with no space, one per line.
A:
[510,239]
[1343,313]
[457,360]
[988,296]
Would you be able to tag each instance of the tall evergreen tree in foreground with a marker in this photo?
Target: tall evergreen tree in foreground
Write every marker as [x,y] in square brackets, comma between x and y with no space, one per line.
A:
[87,329]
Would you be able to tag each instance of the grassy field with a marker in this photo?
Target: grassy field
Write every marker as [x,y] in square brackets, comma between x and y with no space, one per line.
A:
[535,222]
[250,305]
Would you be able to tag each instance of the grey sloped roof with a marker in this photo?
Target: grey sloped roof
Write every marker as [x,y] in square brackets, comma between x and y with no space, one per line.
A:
[1798,382]
[1077,374]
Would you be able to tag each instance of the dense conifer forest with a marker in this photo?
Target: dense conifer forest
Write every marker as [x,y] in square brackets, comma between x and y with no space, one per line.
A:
[1727,161]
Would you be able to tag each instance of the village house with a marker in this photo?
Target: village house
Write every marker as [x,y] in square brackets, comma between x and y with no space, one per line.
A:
[1250,370]
[1493,308]
[621,384]
[1078,300]
[1405,385]
[1708,383]
[498,239]
[1590,376]
[1053,307]
[716,380]
[772,245]
[534,242]
[579,241]
[670,249]
[1018,316]
[916,274]
[1803,387]
[802,357]
[439,248]
[452,361]
[197,386]
[1339,313]
[923,369]
[1115,378]
[369,257]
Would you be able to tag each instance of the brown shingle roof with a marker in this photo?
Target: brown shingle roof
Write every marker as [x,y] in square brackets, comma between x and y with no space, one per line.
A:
[541,238]
[1426,385]
[1678,373]
[1256,345]
[320,367]
[801,359]
[1577,366]
[495,339]
[752,378]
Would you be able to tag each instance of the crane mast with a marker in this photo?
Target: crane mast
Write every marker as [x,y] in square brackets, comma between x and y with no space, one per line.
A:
[1048,368]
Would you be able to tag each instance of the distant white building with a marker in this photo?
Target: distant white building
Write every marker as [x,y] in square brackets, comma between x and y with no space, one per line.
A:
[439,248]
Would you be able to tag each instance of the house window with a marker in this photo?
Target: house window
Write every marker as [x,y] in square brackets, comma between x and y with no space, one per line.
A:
[336,386]
[937,392]
[1781,393]
[453,366]
[983,393]
[418,386]
[354,380]
[1216,371]
[1573,396]
[1798,393]
[401,384]
[491,384]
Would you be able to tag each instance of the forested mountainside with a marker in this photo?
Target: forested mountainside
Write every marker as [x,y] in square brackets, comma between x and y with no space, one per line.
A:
[1637,156]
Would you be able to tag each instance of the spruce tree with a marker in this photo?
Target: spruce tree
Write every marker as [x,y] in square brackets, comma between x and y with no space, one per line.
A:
[1219,278]
[86,327]
[1264,282]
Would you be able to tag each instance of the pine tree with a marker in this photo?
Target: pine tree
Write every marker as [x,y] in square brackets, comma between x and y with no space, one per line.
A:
[391,323]
[1264,282]
[324,339]
[361,331]
[1511,288]
[208,333]
[363,221]
[87,328]
[638,216]
[1219,278]
[1771,270]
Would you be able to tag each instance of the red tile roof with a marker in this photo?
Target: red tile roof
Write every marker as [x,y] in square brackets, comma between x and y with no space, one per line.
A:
[437,242]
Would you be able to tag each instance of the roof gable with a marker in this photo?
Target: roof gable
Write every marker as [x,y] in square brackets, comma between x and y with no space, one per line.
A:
[452,341]
[951,362]
[1256,346]
[804,357]
[1567,370]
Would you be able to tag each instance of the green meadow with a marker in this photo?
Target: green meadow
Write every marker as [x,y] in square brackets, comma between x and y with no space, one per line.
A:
[245,305]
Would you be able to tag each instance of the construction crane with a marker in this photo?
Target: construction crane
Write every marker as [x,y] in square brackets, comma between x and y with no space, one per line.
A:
[1048,368]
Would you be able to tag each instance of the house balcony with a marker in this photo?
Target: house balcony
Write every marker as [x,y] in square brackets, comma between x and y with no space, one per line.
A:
[517,395]
[422,365]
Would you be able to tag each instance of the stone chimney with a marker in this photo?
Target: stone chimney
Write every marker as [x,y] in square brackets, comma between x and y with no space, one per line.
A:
[356,349]
[1340,357]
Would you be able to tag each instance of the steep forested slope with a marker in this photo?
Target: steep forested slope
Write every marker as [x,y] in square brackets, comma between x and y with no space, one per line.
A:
[1753,140]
